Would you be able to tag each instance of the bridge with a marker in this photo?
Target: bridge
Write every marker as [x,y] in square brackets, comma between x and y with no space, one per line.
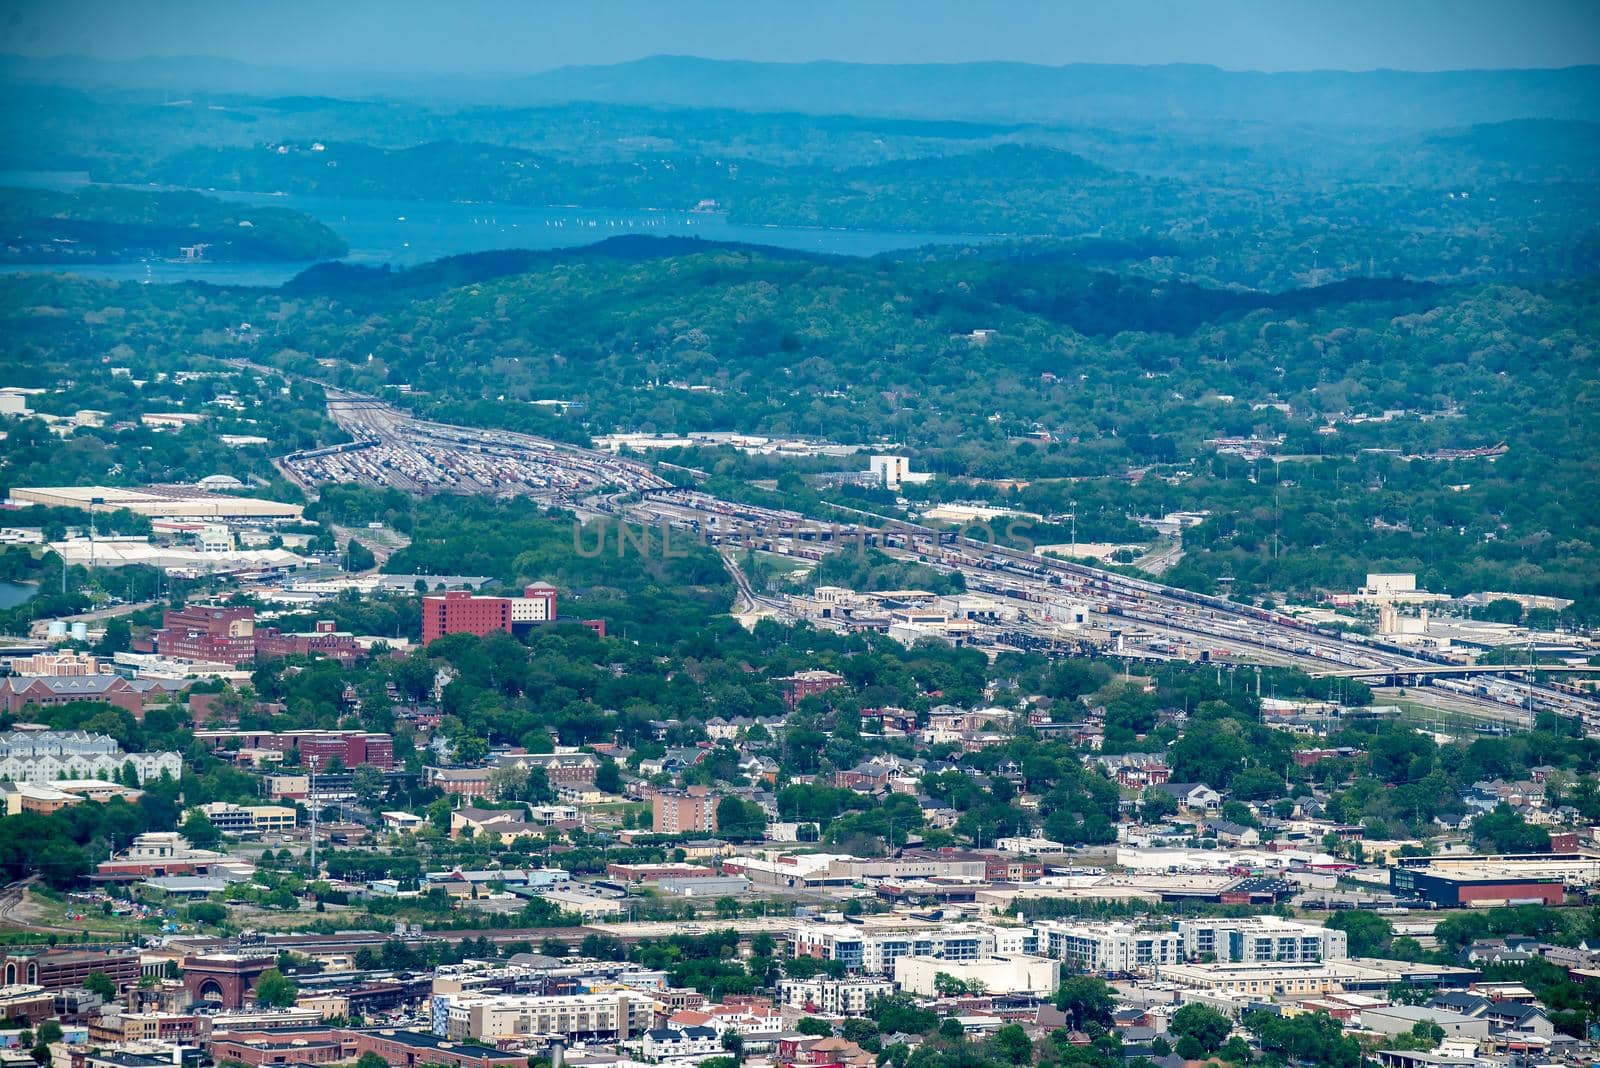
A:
[1421,671]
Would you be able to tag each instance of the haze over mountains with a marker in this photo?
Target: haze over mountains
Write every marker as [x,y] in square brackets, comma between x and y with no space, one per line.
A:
[974,91]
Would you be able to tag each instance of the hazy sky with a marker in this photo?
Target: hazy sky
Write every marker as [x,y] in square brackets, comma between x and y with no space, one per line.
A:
[502,36]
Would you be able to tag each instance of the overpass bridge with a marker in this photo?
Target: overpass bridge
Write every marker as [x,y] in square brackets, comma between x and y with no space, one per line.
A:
[1416,672]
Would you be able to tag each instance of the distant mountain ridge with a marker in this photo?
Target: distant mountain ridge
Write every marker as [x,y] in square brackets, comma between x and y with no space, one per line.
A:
[989,91]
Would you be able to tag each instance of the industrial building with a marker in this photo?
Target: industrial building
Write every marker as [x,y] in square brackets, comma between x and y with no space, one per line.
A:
[157,501]
[1494,881]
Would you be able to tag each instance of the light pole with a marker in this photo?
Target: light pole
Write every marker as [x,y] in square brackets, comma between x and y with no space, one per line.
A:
[311,795]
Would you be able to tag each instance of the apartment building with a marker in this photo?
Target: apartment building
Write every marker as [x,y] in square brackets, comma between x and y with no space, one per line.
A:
[874,950]
[613,1016]
[834,997]
[1107,948]
[691,811]
[1254,939]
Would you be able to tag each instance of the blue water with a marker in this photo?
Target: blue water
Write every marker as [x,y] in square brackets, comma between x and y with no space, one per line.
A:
[405,233]
[15,593]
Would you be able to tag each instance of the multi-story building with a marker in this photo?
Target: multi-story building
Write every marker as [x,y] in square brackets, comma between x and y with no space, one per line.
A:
[1253,939]
[322,640]
[352,748]
[691,811]
[562,768]
[874,951]
[803,684]
[836,997]
[155,854]
[68,969]
[1107,948]
[460,612]
[213,633]
[17,692]
[249,819]
[69,662]
[613,1016]
[46,756]
[411,1049]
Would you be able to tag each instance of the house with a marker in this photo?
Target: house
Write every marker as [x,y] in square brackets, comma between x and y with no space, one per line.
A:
[499,825]
[1191,796]
[1230,833]
[666,1043]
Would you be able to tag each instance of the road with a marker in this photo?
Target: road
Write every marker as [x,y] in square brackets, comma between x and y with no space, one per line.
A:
[41,627]
[392,448]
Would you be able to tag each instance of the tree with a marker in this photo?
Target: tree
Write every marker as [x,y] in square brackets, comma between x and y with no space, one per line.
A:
[206,912]
[1368,933]
[1505,831]
[1205,1025]
[1012,1045]
[740,820]
[369,784]
[49,1032]
[608,777]
[199,831]
[276,990]
[99,983]
[733,1042]
[358,557]
[810,1025]
[371,1060]
[1085,1000]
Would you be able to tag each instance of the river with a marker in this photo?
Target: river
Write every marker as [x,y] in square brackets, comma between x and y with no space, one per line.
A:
[406,233]
[15,593]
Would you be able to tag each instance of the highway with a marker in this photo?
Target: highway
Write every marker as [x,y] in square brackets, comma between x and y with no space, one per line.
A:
[391,448]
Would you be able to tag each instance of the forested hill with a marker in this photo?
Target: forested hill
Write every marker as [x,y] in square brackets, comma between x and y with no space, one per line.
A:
[1084,92]
[100,224]
[1080,92]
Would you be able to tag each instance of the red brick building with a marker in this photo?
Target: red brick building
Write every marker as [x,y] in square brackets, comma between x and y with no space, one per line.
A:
[322,641]
[208,632]
[226,979]
[459,612]
[803,684]
[352,748]
[68,969]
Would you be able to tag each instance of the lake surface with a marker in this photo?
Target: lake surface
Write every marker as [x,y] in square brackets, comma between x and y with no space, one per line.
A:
[15,593]
[404,233]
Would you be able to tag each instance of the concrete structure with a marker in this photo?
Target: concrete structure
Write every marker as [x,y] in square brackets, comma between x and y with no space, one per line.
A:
[1108,948]
[1260,938]
[691,811]
[1038,976]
